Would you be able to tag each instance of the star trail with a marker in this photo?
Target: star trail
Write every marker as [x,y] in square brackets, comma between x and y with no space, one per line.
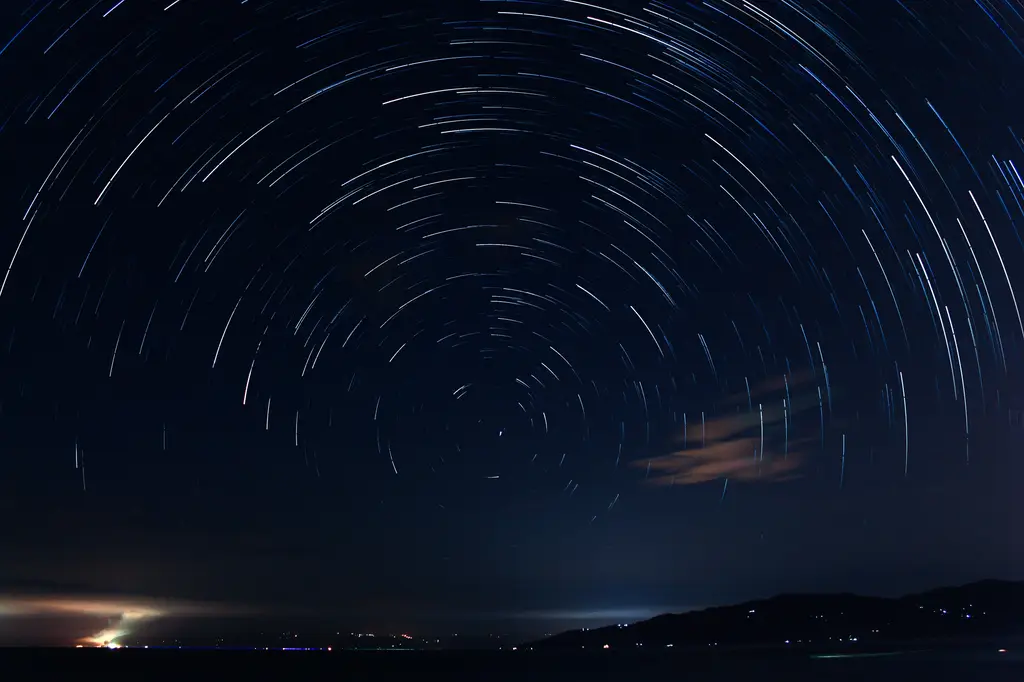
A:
[492,282]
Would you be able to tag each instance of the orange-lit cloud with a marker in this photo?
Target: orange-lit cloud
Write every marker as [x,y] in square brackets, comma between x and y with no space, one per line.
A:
[122,614]
[731,446]
[735,459]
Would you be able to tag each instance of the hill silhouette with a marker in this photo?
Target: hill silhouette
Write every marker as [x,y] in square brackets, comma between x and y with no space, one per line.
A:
[990,608]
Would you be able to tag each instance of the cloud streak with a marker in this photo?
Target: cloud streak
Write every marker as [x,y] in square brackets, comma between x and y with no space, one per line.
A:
[756,443]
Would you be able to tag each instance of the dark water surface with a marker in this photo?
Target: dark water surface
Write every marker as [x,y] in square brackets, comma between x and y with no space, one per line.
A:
[986,664]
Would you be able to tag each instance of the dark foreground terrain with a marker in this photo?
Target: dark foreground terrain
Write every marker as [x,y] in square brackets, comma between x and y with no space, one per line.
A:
[982,662]
[983,610]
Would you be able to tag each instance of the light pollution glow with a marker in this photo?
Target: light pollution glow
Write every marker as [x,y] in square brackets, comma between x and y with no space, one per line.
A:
[123,614]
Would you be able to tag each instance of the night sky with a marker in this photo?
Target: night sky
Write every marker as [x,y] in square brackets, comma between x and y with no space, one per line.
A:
[506,315]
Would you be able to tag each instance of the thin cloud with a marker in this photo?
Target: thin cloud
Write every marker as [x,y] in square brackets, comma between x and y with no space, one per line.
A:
[612,615]
[752,444]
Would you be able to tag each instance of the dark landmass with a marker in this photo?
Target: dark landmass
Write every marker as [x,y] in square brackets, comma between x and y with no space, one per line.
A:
[316,639]
[980,661]
[821,622]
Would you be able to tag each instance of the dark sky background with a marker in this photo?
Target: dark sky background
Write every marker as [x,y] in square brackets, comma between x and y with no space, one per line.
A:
[506,315]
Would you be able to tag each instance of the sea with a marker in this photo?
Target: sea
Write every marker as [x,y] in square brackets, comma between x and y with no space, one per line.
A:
[983,664]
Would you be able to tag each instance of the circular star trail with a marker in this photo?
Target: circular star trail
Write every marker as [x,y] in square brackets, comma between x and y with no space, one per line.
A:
[500,253]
